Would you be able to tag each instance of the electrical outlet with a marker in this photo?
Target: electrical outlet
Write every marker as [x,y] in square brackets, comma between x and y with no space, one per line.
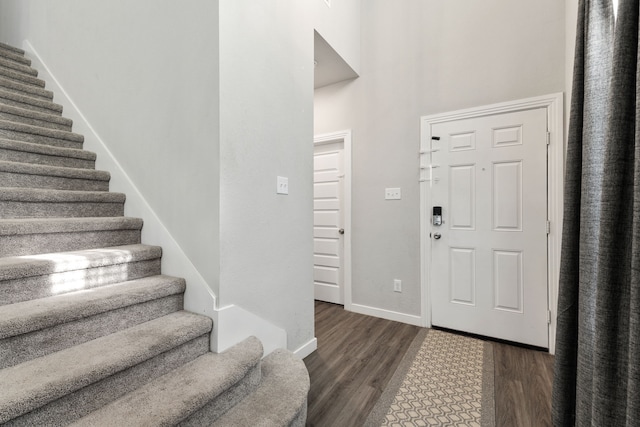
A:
[392,194]
[282,185]
[397,285]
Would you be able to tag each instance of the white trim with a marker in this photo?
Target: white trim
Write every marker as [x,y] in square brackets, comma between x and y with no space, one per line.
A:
[387,314]
[306,349]
[344,137]
[555,178]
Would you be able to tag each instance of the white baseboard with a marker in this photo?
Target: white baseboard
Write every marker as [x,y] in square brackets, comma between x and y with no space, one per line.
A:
[387,314]
[306,349]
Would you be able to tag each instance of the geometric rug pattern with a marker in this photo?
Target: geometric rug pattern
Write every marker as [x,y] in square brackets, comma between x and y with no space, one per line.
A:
[446,380]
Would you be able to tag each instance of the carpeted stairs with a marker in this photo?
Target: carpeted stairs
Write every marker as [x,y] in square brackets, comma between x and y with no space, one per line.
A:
[91,332]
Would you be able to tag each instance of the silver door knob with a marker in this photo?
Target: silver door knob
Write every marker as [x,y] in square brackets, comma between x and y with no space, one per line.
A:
[437,236]
[341,231]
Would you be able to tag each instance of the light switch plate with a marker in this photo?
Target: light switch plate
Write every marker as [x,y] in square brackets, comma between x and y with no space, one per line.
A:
[392,194]
[282,185]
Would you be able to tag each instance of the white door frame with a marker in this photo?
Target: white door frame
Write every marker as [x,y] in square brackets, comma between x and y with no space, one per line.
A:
[344,137]
[555,179]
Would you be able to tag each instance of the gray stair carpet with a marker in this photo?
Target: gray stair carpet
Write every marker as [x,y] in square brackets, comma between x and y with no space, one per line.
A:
[91,332]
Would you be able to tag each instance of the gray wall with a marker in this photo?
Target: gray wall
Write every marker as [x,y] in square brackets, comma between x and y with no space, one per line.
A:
[424,57]
[266,130]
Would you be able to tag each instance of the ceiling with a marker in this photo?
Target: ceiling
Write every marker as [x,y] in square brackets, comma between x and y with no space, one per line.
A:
[330,67]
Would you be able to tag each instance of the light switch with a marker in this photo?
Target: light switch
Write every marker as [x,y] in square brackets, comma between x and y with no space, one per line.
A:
[282,185]
[392,194]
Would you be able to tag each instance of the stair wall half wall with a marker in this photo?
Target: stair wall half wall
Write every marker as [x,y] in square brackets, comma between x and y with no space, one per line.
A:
[238,323]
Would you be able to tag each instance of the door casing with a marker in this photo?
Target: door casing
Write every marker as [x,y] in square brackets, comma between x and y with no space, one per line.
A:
[344,137]
[555,178]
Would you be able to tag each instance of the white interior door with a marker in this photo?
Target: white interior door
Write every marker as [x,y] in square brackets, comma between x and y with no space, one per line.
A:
[328,228]
[489,257]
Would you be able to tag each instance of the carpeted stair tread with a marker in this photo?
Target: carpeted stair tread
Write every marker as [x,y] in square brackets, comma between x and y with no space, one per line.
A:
[19,267]
[18,67]
[34,118]
[37,134]
[280,399]
[21,77]
[37,382]
[48,155]
[27,90]
[14,227]
[17,194]
[16,174]
[42,235]
[170,399]
[12,49]
[28,316]
[23,278]
[15,57]
[17,202]
[29,102]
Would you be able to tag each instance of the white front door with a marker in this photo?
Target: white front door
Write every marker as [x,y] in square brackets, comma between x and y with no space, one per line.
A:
[328,229]
[489,256]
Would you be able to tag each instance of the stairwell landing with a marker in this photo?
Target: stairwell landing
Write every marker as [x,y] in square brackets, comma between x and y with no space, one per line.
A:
[91,332]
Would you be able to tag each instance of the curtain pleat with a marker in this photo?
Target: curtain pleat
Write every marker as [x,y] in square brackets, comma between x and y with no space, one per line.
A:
[597,350]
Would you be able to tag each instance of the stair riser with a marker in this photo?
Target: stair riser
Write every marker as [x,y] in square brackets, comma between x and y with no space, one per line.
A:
[10,209]
[10,179]
[78,404]
[18,290]
[34,104]
[225,401]
[15,57]
[25,90]
[25,347]
[17,67]
[19,77]
[39,139]
[34,122]
[44,159]
[31,244]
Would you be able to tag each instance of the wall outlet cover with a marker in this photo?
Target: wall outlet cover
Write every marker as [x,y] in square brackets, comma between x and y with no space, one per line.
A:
[282,185]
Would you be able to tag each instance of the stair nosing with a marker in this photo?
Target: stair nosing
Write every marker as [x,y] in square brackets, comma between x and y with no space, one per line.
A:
[33,315]
[42,94]
[20,77]
[36,195]
[28,226]
[27,70]
[76,366]
[57,171]
[30,100]
[20,267]
[50,150]
[35,115]
[41,131]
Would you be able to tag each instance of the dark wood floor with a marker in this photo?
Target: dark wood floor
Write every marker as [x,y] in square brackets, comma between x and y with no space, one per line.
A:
[357,355]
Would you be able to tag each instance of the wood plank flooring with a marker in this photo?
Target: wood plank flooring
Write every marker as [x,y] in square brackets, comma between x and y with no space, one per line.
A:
[357,355]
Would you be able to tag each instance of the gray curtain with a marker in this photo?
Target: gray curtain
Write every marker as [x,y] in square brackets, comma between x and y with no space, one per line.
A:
[597,366]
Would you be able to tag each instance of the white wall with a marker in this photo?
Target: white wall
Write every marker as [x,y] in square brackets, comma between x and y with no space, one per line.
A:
[419,58]
[266,130]
[145,76]
[339,25]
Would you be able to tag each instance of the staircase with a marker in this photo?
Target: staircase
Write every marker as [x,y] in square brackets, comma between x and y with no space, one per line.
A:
[91,332]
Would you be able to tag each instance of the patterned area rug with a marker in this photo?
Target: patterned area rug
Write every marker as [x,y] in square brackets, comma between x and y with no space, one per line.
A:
[443,380]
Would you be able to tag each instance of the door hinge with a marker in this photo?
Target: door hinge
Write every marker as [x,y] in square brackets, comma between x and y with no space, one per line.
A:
[548,227]
[548,317]
[548,138]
